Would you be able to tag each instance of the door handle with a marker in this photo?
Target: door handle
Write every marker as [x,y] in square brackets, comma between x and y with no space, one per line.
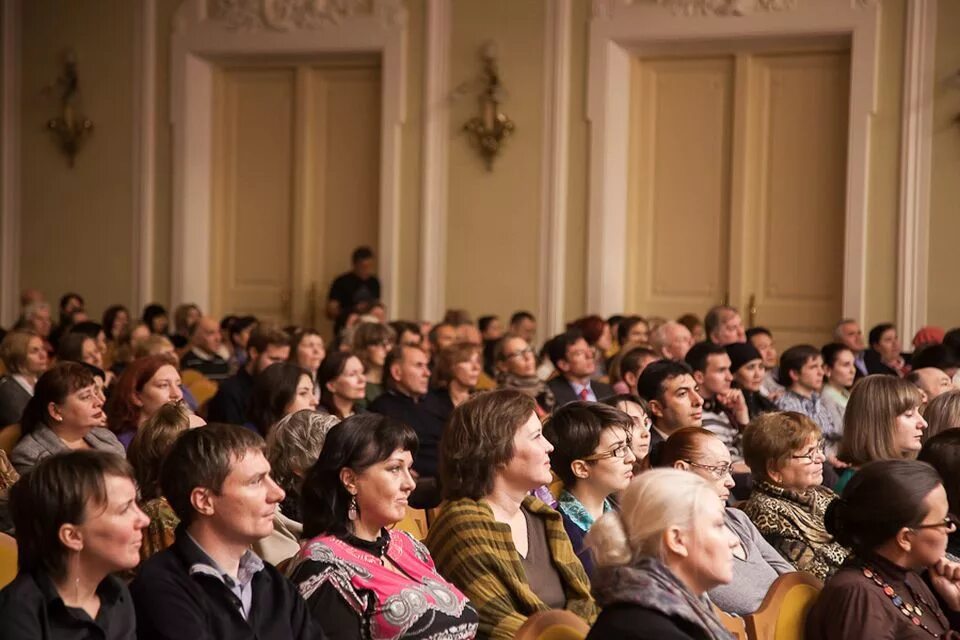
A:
[753,310]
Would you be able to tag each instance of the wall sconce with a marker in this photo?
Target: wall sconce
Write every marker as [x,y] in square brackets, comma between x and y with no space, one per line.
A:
[70,128]
[490,129]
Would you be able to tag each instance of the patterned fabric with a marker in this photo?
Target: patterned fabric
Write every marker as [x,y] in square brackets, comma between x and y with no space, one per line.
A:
[814,408]
[491,574]
[792,523]
[8,475]
[577,513]
[160,533]
[717,420]
[417,603]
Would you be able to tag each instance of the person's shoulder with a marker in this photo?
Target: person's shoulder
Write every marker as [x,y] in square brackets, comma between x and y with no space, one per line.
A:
[23,590]
[631,621]
[162,567]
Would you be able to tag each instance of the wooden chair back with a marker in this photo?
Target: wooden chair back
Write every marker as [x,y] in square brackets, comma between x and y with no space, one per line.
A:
[734,624]
[783,612]
[556,624]
[414,523]
[8,559]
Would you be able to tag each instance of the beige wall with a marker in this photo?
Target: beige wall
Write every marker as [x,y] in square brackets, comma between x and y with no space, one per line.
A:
[943,307]
[77,225]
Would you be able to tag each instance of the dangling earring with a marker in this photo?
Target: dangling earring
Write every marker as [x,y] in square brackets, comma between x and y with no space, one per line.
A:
[76,580]
[353,511]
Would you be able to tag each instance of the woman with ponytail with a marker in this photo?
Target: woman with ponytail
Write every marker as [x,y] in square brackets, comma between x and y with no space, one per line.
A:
[895,516]
[657,558]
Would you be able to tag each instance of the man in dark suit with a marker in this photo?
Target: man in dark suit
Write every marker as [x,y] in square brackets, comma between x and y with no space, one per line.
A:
[575,361]
[672,398]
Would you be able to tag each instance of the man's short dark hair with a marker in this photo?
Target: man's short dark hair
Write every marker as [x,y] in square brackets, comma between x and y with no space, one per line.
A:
[574,431]
[631,360]
[557,346]
[67,297]
[483,322]
[402,326]
[435,329]
[831,351]
[877,332]
[360,254]
[650,385]
[520,316]
[265,335]
[203,458]
[940,356]
[626,325]
[699,354]
[758,331]
[793,359]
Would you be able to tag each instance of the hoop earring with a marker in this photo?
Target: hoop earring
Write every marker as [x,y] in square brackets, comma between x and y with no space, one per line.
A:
[353,511]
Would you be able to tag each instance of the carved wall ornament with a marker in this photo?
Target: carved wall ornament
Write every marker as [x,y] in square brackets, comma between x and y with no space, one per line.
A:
[722,8]
[292,15]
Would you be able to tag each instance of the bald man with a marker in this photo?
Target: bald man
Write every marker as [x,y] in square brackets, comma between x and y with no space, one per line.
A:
[204,356]
[671,341]
[931,381]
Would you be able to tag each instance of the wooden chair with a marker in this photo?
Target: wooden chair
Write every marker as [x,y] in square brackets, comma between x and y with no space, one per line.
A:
[734,624]
[9,437]
[556,624]
[414,523]
[783,612]
[202,387]
[8,559]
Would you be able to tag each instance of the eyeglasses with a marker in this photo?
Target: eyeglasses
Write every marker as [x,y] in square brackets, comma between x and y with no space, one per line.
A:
[818,450]
[718,472]
[618,452]
[520,354]
[950,523]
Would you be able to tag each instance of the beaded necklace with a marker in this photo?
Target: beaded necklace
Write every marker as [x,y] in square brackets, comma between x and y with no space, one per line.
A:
[913,612]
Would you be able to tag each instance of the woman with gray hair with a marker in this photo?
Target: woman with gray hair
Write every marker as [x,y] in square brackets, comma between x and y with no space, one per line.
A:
[293,446]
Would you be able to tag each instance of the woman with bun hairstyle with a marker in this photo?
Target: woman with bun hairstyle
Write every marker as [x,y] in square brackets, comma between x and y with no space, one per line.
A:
[878,592]
[657,558]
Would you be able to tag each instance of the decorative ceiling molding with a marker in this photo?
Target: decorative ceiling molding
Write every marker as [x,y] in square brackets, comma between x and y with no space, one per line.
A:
[723,8]
[301,15]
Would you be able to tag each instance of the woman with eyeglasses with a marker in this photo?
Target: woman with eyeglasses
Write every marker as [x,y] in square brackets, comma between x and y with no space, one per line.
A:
[785,452]
[593,457]
[755,563]
[516,365]
[636,408]
[894,514]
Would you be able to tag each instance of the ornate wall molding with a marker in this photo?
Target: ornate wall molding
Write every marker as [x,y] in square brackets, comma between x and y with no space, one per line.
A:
[293,15]
[723,8]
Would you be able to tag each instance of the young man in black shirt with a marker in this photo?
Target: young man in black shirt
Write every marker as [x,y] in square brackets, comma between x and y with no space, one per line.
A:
[357,287]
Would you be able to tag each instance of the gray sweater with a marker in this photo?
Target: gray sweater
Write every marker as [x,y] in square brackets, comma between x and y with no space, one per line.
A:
[753,576]
[43,442]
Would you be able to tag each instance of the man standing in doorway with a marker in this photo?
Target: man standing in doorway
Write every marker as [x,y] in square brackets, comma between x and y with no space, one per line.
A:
[356,288]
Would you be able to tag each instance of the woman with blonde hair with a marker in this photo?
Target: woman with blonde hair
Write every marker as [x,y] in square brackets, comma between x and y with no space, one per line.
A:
[882,422]
[942,413]
[25,358]
[657,558]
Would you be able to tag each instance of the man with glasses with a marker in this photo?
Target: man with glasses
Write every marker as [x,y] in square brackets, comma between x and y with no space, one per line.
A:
[575,363]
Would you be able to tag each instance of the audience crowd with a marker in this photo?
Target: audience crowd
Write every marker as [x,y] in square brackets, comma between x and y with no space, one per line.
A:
[202,477]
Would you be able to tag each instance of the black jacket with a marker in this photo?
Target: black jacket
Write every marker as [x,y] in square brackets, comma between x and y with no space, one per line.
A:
[633,622]
[171,604]
[563,391]
[405,409]
[232,401]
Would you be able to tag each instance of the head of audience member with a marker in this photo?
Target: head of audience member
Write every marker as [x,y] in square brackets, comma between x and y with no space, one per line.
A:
[514,358]
[636,408]
[152,442]
[307,350]
[458,370]
[711,368]
[839,368]
[631,363]
[70,303]
[364,263]
[952,339]
[407,333]
[266,345]
[942,452]
[494,444]
[908,527]
[237,332]
[467,333]
[882,421]
[77,520]
[116,319]
[77,347]
[442,335]
[700,451]
[66,400]
[217,480]
[723,325]
[342,384]
[152,345]
[36,318]
[884,340]
[93,330]
[156,319]
[672,396]
[669,516]
[785,448]
[184,317]
[524,324]
[279,390]
[205,335]
[408,371]
[30,296]
[592,452]
[801,370]
[671,340]
[633,330]
[457,317]
[942,413]
[931,381]
[938,356]
[293,446]
[372,342]
[927,336]
[848,332]
[491,329]
[22,353]
[145,385]
[762,340]
[695,326]
[572,356]
[595,331]
[361,482]
[746,365]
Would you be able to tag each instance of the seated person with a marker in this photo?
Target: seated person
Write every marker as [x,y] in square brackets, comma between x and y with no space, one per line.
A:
[878,592]
[292,447]
[942,452]
[725,411]
[785,454]
[25,358]
[516,368]
[672,398]
[342,384]
[519,558]
[942,413]
[77,524]
[883,356]
[355,570]
[746,367]
[639,414]
[406,378]
[576,363]
[151,444]
[755,563]
[204,353]
[801,374]
[279,390]
[372,342]
[65,412]
[592,455]
[308,350]
[266,346]
[145,385]
[209,584]
[454,380]
[657,559]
